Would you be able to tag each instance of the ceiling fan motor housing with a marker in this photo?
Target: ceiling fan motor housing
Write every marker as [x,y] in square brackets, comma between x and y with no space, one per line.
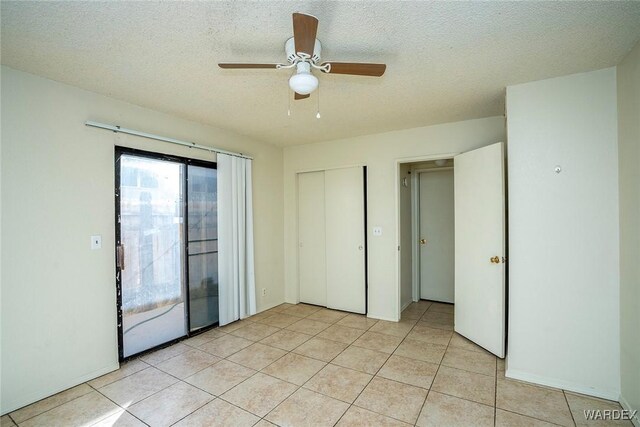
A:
[292,56]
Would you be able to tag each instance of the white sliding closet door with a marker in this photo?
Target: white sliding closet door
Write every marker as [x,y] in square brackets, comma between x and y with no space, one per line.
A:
[311,235]
[345,239]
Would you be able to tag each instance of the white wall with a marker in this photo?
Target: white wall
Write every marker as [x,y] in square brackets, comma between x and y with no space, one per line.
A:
[380,153]
[629,155]
[58,296]
[563,233]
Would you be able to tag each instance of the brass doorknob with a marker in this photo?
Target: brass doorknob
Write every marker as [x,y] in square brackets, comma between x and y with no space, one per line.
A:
[423,241]
[495,260]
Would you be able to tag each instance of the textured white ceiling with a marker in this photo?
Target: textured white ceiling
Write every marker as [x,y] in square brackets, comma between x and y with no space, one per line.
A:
[446,61]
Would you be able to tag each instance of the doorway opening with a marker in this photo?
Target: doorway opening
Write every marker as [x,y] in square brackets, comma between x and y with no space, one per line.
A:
[427,231]
[452,240]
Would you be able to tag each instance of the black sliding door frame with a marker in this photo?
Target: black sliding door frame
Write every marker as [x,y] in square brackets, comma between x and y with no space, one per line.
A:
[119,151]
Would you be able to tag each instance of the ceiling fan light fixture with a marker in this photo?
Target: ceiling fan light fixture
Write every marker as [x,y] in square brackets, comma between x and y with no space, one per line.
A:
[303,82]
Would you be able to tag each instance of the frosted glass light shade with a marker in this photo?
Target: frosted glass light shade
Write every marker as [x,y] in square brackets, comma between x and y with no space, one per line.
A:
[303,83]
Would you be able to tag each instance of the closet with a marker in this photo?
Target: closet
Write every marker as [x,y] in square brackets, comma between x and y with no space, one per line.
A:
[332,238]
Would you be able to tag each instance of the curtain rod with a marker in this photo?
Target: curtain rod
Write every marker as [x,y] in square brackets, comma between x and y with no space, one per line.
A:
[117,129]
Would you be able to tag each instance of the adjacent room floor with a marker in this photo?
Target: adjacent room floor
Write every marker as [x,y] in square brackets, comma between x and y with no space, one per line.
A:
[304,365]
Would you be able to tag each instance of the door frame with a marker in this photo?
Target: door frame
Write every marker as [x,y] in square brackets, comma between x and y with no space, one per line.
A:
[415,278]
[186,161]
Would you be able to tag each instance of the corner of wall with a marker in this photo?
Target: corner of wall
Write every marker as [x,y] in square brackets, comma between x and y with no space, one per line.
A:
[628,81]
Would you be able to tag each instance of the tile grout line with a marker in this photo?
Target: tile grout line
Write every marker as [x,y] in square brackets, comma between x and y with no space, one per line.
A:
[186,383]
[52,408]
[464,370]
[119,406]
[260,371]
[440,364]
[196,372]
[366,385]
[197,409]
[12,420]
[323,361]
[326,364]
[495,398]
[400,382]
[529,416]
[126,376]
[434,375]
[564,394]
[378,371]
[215,397]
[156,392]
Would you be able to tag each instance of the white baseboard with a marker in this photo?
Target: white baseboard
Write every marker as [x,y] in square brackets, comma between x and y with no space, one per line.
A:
[565,385]
[625,405]
[269,307]
[388,319]
[34,397]
[405,306]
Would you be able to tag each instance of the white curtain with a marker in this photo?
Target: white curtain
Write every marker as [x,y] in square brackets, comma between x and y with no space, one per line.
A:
[236,278]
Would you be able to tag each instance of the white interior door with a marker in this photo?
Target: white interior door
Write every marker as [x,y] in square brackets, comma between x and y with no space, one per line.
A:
[480,247]
[344,201]
[311,235]
[436,236]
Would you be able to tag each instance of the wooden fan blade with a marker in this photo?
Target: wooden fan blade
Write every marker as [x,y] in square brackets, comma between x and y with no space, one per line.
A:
[299,96]
[305,28]
[357,68]
[240,66]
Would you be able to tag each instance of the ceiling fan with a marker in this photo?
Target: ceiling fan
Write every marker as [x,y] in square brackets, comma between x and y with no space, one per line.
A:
[303,53]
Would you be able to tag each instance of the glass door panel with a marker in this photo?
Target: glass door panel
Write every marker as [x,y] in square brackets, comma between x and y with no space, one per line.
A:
[203,246]
[150,252]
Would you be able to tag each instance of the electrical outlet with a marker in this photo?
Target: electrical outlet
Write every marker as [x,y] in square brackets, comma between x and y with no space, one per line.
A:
[96,242]
[377,231]
[264,292]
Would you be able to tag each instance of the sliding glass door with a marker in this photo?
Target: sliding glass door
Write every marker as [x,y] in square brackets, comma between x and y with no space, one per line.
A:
[203,246]
[166,238]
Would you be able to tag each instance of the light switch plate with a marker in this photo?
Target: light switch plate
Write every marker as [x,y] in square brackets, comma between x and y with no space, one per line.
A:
[377,231]
[96,242]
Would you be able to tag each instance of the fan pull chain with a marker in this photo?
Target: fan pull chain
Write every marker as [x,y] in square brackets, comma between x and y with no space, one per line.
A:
[318,97]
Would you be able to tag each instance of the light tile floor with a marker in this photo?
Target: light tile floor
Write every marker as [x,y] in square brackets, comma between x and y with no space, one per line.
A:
[300,365]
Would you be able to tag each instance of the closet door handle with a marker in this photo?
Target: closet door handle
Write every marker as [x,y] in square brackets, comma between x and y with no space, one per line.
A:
[360,247]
